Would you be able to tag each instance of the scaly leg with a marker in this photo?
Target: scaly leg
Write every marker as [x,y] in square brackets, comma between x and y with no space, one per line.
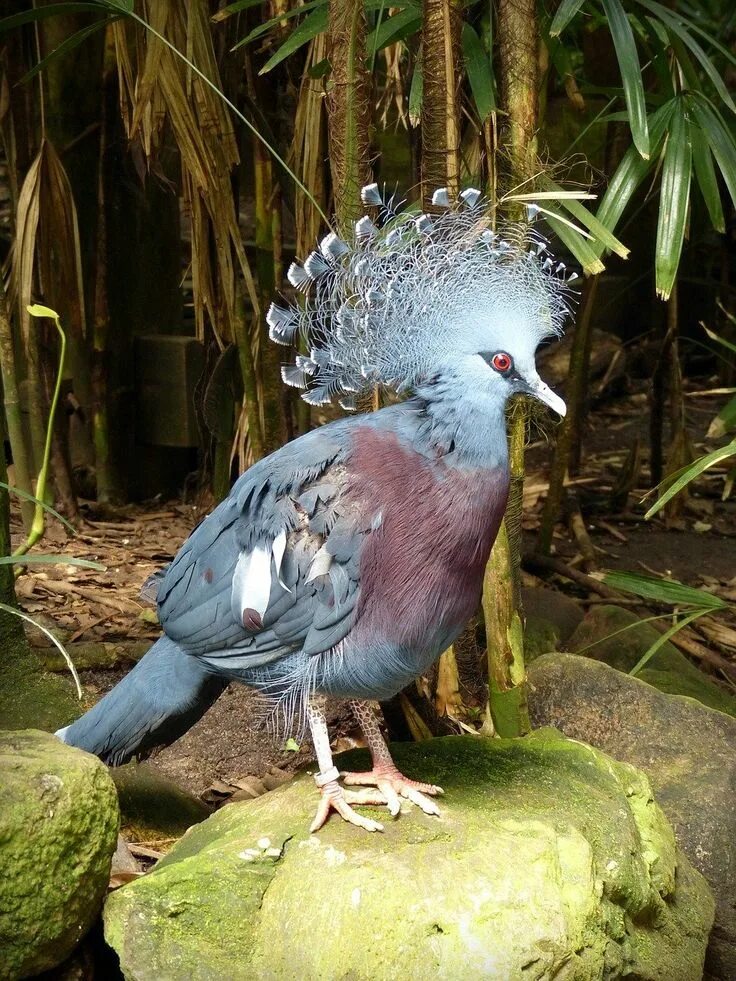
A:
[385,775]
[334,798]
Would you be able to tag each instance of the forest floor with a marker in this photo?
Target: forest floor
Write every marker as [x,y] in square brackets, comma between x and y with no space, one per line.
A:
[233,740]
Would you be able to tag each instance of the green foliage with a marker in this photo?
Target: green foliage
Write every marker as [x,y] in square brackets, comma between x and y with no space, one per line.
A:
[677,129]
[696,603]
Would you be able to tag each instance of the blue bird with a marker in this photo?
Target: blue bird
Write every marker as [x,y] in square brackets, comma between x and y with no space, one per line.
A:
[346,562]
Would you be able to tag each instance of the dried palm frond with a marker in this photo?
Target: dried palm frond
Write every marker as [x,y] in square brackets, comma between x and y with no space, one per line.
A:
[393,99]
[46,252]
[308,148]
[158,87]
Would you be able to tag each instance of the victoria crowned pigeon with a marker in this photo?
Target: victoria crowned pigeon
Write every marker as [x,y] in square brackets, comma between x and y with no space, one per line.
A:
[346,562]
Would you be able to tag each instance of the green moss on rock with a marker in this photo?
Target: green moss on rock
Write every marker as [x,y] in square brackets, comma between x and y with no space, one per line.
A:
[618,638]
[549,860]
[58,828]
[31,698]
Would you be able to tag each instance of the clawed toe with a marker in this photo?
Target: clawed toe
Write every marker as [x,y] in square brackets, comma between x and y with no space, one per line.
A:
[393,785]
[334,798]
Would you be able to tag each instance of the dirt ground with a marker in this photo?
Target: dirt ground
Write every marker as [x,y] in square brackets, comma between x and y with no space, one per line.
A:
[233,740]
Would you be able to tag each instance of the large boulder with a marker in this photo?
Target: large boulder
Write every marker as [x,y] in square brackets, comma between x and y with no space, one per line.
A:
[687,750]
[618,637]
[58,828]
[550,860]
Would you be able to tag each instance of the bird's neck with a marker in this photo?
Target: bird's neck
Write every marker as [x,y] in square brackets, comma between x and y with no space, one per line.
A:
[462,425]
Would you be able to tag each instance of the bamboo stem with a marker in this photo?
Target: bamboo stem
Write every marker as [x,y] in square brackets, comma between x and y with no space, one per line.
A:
[39,516]
[13,413]
[569,432]
[106,491]
[518,37]
[505,643]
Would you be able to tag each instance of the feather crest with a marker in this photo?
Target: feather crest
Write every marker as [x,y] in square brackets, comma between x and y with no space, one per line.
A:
[400,298]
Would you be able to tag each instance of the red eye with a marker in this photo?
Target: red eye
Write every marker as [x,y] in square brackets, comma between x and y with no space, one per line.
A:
[501,362]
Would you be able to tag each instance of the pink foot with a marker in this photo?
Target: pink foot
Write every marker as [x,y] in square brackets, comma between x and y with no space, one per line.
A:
[334,798]
[394,785]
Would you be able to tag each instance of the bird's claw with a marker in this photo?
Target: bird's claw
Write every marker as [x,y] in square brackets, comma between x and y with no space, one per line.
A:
[335,798]
[394,785]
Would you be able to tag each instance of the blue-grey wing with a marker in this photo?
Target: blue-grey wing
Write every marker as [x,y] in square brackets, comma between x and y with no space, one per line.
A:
[275,567]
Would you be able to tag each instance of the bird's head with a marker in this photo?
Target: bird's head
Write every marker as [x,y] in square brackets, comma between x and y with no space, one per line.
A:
[442,296]
[503,369]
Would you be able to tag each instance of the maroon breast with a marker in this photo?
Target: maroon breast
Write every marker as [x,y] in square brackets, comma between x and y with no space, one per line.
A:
[421,572]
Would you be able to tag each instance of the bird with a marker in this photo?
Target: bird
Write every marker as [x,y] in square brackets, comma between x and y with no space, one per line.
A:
[342,565]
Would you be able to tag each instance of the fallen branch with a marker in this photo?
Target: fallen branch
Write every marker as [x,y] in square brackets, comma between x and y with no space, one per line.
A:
[93,595]
[533,562]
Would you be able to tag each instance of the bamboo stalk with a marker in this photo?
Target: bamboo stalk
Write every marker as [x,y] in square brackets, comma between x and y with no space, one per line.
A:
[440,167]
[106,490]
[39,516]
[569,433]
[518,38]
[505,643]
[13,413]
[269,355]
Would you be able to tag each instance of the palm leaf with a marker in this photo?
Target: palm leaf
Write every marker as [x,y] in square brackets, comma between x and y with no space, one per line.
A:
[631,172]
[312,25]
[674,201]
[719,139]
[564,14]
[480,76]
[705,175]
[691,473]
[630,68]
[603,236]
[664,590]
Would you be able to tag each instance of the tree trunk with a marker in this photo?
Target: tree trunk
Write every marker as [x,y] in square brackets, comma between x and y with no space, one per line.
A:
[348,109]
[441,75]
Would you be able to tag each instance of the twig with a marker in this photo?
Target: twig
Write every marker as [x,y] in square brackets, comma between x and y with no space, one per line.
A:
[534,562]
[684,640]
[68,589]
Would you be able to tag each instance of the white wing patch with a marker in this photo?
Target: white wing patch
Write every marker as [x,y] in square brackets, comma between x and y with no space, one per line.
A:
[278,549]
[320,564]
[252,578]
[252,582]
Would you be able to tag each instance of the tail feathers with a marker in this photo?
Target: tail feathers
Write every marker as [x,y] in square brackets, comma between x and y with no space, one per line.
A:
[156,703]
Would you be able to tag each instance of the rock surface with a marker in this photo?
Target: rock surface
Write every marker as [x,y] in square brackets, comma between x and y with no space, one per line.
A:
[58,828]
[549,860]
[688,752]
[618,637]
[152,807]
[551,619]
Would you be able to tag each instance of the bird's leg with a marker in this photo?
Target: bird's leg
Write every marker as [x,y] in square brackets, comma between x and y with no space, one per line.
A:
[334,798]
[385,775]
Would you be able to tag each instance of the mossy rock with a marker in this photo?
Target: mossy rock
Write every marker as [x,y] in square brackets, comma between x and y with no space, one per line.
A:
[152,807]
[687,750]
[58,828]
[31,698]
[549,860]
[540,637]
[617,637]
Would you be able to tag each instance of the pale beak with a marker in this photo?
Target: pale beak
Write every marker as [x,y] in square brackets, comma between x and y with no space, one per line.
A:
[537,388]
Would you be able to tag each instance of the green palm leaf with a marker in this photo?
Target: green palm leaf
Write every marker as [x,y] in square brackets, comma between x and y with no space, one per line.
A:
[674,200]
